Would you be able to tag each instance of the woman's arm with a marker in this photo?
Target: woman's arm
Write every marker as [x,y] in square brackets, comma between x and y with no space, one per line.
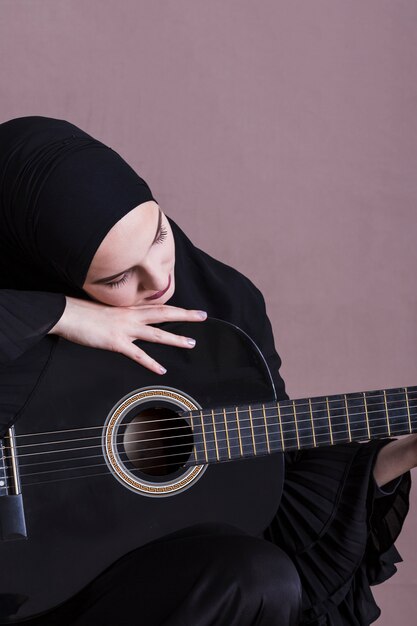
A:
[394,459]
[26,317]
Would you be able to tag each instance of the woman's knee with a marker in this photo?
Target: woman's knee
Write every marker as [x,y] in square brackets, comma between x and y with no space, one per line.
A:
[265,579]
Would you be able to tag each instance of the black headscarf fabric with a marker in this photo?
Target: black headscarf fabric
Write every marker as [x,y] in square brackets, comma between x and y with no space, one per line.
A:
[61,192]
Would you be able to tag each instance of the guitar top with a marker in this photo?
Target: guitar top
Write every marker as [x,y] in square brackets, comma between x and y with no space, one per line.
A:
[107,456]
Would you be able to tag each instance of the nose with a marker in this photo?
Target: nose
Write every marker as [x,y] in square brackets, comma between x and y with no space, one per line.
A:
[154,278]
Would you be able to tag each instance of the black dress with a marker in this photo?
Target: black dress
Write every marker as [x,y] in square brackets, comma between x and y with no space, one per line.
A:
[337,527]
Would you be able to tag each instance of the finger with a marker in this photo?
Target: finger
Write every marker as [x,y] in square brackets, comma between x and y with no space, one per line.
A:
[157,335]
[166,313]
[173,310]
[140,356]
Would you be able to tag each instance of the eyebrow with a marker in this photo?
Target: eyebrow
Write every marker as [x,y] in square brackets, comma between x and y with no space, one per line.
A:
[103,280]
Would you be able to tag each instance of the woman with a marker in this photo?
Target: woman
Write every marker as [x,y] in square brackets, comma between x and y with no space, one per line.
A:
[85,250]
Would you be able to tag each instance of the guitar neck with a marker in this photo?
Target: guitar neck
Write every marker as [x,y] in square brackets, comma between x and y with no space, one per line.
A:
[230,433]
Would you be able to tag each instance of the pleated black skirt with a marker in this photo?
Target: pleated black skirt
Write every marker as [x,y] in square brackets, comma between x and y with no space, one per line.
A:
[339,530]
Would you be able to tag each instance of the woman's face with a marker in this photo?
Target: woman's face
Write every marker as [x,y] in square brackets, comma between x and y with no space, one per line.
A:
[135,260]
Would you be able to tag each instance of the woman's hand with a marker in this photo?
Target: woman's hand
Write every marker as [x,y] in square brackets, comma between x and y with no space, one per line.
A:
[113,328]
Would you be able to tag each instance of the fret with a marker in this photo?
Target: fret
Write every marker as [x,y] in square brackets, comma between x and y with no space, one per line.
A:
[304,427]
[204,435]
[396,406]
[274,429]
[321,421]
[210,436]
[377,413]
[348,418]
[266,429]
[340,430]
[408,410]
[357,417]
[227,433]
[232,428]
[251,427]
[280,428]
[366,416]
[220,432]
[193,431]
[215,435]
[238,431]
[289,425]
[412,401]
[246,431]
[199,443]
[296,425]
[330,421]
[386,413]
[259,431]
[312,423]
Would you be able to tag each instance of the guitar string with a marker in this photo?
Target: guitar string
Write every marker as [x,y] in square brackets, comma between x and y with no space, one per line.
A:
[299,404]
[187,427]
[215,449]
[230,426]
[202,462]
[208,415]
[165,465]
[208,425]
[219,432]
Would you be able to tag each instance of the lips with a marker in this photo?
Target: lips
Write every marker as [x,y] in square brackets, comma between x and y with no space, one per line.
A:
[160,293]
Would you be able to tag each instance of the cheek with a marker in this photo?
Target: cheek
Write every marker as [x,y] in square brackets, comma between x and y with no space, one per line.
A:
[126,295]
[115,299]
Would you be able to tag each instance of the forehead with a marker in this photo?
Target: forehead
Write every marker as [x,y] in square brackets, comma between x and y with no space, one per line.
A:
[132,234]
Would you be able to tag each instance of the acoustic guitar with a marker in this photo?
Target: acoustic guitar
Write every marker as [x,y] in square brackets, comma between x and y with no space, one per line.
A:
[107,455]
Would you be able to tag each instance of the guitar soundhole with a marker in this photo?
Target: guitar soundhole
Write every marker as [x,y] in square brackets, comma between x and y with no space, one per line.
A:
[157,442]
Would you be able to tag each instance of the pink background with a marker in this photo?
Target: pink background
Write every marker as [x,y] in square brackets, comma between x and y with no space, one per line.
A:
[282,136]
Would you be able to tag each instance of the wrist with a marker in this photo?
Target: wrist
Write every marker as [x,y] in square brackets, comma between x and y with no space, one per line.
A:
[57,329]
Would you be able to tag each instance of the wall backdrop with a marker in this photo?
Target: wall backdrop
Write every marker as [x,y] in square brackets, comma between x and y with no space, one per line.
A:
[281,135]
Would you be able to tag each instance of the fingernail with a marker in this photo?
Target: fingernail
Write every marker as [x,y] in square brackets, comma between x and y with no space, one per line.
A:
[162,369]
[202,314]
[191,342]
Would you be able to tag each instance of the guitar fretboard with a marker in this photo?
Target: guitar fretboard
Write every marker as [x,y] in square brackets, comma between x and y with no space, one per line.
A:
[228,433]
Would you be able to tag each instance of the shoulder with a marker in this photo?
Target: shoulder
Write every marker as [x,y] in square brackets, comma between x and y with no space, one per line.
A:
[227,288]
[239,285]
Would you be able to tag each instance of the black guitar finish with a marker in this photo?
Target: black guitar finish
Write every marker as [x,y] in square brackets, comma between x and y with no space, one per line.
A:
[79,517]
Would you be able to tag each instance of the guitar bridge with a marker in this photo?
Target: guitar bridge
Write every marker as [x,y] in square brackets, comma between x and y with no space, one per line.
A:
[12,516]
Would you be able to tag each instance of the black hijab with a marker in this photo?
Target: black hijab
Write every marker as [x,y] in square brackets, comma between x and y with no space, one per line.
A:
[61,191]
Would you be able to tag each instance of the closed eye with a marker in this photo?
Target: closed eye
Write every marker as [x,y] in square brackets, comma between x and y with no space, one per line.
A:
[123,280]
[162,235]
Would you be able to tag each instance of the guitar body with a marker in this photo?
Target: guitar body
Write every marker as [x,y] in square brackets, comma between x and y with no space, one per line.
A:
[87,500]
